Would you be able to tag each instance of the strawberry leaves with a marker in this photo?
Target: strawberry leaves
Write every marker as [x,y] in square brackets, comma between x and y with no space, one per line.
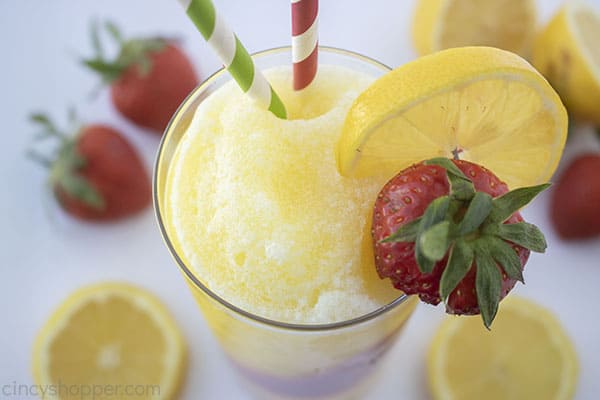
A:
[469,226]
[524,234]
[488,283]
[478,210]
[406,233]
[505,256]
[505,205]
[435,213]
[132,52]
[434,241]
[461,188]
[459,263]
[66,161]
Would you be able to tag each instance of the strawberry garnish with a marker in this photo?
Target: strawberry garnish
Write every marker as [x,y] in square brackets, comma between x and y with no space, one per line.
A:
[95,174]
[449,230]
[149,78]
[575,201]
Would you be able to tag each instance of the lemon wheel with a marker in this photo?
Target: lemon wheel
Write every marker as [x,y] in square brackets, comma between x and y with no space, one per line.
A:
[527,355]
[442,24]
[109,340]
[479,104]
[567,53]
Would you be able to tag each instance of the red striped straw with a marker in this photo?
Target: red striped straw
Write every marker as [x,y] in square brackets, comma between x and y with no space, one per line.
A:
[305,39]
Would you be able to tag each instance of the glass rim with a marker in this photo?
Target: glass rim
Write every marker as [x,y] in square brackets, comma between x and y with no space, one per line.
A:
[184,268]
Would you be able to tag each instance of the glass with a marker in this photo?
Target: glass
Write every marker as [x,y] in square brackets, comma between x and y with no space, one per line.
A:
[279,360]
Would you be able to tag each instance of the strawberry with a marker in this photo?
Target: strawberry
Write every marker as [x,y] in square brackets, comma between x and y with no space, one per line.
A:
[148,79]
[575,201]
[451,230]
[96,174]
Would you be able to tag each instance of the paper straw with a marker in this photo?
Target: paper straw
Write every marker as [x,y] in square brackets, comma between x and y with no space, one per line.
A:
[305,37]
[233,55]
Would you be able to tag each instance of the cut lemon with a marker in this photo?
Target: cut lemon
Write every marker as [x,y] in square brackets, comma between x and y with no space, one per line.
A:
[567,53]
[506,24]
[109,340]
[527,355]
[479,104]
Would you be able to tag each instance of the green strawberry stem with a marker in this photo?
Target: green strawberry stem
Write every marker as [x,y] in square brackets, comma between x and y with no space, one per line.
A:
[66,164]
[131,52]
[469,226]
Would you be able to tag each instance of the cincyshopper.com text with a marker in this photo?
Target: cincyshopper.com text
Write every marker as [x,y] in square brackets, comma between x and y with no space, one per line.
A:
[77,391]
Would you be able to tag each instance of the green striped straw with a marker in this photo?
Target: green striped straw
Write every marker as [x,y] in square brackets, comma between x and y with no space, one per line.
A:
[233,55]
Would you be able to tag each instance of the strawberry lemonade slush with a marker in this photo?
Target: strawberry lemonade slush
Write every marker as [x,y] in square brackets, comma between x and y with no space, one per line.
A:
[274,242]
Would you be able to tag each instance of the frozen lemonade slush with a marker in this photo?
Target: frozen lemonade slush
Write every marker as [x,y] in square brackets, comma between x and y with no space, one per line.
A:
[275,243]
[259,211]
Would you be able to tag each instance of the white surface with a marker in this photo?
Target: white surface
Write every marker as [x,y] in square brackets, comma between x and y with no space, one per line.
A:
[45,256]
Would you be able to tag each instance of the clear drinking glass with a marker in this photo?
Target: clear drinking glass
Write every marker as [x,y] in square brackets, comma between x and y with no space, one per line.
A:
[279,360]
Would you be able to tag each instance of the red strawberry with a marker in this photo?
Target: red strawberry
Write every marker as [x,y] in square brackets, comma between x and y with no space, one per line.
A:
[451,231]
[149,78]
[575,202]
[96,174]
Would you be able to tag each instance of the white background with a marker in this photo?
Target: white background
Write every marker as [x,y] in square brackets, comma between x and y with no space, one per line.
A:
[44,256]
